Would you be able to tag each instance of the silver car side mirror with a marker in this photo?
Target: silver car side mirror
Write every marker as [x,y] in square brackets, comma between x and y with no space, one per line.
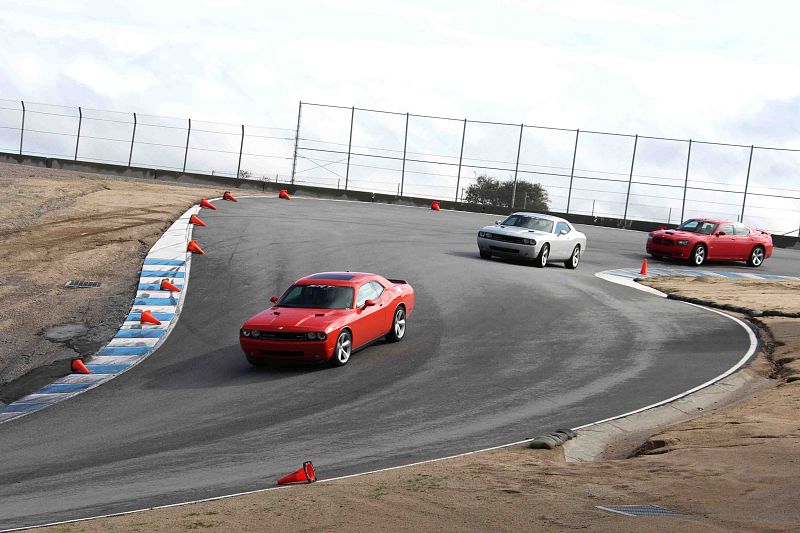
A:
[497,222]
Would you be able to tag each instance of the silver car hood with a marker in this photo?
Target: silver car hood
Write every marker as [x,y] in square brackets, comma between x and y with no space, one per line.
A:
[515,231]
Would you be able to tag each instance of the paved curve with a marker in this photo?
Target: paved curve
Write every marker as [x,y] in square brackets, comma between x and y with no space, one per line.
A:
[496,352]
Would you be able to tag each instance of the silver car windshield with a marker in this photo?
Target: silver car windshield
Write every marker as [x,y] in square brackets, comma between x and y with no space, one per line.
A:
[318,297]
[522,221]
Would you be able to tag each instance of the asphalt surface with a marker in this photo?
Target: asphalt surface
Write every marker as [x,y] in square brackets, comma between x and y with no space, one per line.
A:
[495,352]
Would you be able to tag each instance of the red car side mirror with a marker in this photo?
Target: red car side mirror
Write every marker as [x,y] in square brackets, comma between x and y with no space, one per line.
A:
[369,303]
[274,299]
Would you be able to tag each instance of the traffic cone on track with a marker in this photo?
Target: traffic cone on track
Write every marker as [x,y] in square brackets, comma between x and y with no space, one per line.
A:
[194,248]
[78,367]
[284,194]
[148,318]
[228,196]
[205,203]
[305,474]
[435,205]
[167,286]
[643,271]
[196,220]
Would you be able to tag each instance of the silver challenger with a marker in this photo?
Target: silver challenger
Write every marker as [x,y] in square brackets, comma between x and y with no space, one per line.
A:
[533,237]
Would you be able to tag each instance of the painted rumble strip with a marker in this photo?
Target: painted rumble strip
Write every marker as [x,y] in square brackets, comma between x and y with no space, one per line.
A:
[167,259]
[627,276]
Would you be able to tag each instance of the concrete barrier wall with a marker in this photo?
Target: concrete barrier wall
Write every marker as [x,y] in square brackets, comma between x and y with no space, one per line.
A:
[781,241]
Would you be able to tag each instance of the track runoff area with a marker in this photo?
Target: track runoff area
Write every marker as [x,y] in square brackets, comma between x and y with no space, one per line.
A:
[495,352]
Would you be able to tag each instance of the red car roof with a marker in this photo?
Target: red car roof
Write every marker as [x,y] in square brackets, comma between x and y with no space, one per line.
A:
[335,278]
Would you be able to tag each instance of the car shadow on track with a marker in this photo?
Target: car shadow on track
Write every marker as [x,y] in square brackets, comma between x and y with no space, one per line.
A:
[501,260]
[224,367]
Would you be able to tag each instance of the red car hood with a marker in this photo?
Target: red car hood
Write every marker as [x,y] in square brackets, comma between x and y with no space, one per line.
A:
[296,318]
[676,234]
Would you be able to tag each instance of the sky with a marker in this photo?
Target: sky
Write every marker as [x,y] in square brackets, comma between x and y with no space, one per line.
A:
[707,70]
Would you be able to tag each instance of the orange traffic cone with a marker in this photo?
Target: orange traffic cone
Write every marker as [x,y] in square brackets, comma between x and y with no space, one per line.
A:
[435,205]
[206,203]
[643,271]
[78,366]
[284,194]
[305,474]
[167,286]
[196,220]
[148,318]
[229,196]
[194,248]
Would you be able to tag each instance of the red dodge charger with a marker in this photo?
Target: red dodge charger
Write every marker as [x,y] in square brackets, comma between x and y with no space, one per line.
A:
[701,240]
[326,316]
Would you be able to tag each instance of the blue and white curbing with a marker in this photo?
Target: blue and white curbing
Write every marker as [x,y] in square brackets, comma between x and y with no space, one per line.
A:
[627,276]
[134,342]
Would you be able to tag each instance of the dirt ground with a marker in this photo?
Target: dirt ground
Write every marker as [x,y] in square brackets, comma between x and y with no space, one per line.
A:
[56,226]
[735,469]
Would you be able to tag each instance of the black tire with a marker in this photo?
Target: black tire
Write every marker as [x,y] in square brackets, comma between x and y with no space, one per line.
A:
[698,255]
[485,255]
[541,259]
[574,259]
[343,342]
[756,258]
[398,330]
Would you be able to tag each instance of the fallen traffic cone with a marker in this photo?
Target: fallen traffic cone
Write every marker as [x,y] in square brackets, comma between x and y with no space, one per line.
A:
[435,205]
[196,220]
[167,286]
[284,194]
[643,271]
[305,474]
[78,366]
[206,203]
[148,318]
[194,248]
[229,196]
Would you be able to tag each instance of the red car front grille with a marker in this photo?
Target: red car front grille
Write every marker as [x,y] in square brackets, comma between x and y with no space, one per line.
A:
[662,241]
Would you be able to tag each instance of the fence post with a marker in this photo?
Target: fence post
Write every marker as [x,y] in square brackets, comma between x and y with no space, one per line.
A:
[22,129]
[296,139]
[133,138]
[186,153]
[630,178]
[516,167]
[78,140]
[403,172]
[747,182]
[572,172]
[461,157]
[349,147]
[241,146]
[686,182]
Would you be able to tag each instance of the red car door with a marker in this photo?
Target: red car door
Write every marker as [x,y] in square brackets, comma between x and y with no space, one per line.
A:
[743,242]
[722,246]
[369,322]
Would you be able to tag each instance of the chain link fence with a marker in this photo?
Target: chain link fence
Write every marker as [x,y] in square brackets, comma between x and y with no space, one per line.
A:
[615,175]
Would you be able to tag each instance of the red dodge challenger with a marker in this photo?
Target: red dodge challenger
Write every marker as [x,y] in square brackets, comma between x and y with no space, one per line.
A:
[326,316]
[701,240]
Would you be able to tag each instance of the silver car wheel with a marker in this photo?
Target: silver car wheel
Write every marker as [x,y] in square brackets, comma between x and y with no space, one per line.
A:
[343,345]
[757,256]
[576,257]
[699,255]
[545,253]
[399,323]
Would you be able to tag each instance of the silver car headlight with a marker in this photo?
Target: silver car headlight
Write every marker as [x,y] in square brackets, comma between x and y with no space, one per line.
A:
[531,242]
[481,234]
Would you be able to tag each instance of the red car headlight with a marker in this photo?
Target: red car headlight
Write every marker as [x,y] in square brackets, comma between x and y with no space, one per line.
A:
[313,336]
[682,243]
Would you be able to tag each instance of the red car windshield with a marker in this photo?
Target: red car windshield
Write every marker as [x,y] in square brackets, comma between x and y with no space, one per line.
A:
[318,297]
[697,226]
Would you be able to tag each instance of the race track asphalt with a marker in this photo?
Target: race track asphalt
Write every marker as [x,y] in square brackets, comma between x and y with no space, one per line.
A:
[495,353]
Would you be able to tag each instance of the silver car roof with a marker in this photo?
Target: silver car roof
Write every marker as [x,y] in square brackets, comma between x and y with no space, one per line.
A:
[540,215]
